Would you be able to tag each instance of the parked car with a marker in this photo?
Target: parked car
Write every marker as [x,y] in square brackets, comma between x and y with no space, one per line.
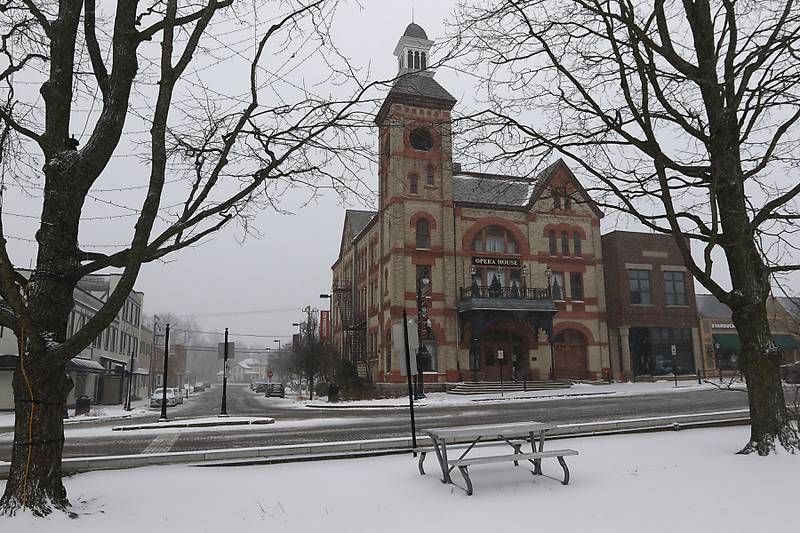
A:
[791,373]
[273,390]
[178,392]
[158,396]
[260,386]
[199,386]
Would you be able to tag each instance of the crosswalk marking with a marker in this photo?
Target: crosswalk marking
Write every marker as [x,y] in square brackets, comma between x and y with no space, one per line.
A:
[160,444]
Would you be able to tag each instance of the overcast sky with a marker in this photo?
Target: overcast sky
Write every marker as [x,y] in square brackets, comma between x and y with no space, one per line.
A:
[289,265]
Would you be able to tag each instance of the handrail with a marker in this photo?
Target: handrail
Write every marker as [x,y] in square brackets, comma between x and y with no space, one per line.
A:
[509,293]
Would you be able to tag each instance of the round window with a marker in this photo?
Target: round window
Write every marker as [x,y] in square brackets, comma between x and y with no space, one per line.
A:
[421,140]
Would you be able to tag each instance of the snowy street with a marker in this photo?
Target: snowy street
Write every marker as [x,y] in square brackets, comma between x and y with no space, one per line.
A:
[304,422]
[659,482]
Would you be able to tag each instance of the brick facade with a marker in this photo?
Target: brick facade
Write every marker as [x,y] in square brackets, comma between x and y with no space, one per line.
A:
[434,222]
[655,258]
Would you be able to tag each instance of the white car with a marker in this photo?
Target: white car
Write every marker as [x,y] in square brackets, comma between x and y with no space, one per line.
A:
[158,396]
[178,392]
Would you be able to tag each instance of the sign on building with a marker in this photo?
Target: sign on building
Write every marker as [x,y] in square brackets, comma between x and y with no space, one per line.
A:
[324,325]
[399,347]
[221,350]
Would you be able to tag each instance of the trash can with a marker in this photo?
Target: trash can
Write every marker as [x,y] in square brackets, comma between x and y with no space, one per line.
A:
[333,392]
[82,405]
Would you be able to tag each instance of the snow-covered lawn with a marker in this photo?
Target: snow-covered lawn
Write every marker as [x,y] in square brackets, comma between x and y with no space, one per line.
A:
[580,390]
[660,482]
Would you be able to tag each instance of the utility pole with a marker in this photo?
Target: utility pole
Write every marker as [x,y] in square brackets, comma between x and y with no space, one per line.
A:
[410,391]
[224,409]
[164,381]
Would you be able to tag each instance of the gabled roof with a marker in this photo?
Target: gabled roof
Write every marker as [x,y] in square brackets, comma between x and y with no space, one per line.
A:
[478,188]
[511,191]
[354,223]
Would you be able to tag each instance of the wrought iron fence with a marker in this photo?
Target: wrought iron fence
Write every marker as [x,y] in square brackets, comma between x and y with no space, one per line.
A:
[511,293]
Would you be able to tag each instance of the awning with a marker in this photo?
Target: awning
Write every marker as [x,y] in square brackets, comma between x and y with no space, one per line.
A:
[730,342]
[786,342]
[85,365]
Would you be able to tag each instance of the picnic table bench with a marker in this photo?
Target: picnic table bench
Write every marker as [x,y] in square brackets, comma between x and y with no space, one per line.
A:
[513,434]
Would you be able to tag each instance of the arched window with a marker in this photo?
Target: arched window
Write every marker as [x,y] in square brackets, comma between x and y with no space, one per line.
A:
[556,199]
[496,240]
[424,61]
[416,60]
[423,234]
[551,237]
[564,243]
[410,59]
[421,139]
[429,175]
[576,244]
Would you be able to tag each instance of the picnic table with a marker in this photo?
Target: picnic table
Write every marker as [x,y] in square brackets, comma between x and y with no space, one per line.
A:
[515,434]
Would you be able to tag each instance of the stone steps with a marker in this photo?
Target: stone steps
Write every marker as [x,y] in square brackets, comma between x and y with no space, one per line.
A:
[491,387]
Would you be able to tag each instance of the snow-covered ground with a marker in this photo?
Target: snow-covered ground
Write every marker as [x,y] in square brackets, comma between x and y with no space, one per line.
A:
[99,412]
[658,482]
[580,390]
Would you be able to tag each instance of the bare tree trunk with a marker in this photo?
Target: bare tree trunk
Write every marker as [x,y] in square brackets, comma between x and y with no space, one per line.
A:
[34,481]
[770,420]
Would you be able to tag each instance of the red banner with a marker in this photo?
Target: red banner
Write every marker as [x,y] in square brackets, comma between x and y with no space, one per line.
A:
[324,325]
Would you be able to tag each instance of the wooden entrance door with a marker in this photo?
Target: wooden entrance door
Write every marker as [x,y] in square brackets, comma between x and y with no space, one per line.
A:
[570,355]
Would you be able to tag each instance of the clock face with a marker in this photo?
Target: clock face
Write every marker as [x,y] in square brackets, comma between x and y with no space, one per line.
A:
[421,139]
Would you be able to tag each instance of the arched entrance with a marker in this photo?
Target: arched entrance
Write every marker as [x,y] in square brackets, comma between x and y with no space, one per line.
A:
[570,355]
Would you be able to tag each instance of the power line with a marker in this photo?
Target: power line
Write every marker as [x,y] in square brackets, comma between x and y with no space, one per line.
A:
[230,334]
[251,312]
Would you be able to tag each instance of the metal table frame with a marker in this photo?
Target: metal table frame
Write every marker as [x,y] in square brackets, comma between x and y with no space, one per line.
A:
[530,431]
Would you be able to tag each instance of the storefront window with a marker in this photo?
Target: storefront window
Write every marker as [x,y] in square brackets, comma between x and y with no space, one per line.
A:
[659,351]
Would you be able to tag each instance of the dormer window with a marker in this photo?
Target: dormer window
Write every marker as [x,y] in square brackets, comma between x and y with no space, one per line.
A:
[421,139]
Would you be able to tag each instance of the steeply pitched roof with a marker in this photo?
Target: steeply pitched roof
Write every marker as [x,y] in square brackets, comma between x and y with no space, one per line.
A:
[792,305]
[421,85]
[478,188]
[416,31]
[355,220]
[709,307]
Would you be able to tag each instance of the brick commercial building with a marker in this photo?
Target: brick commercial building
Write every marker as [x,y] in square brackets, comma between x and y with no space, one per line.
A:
[652,314]
[504,273]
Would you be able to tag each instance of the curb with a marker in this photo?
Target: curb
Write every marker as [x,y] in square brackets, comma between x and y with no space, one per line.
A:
[190,424]
[364,448]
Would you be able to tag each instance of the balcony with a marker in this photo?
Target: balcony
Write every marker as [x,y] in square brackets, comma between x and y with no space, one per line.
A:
[479,307]
[505,298]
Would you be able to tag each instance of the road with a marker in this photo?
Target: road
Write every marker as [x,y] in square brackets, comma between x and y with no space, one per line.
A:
[295,425]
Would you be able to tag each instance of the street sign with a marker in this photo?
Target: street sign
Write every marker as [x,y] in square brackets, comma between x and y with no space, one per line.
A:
[221,350]
[674,350]
[399,348]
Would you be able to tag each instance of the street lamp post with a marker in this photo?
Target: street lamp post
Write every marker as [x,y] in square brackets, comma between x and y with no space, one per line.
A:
[548,274]
[224,408]
[423,323]
[164,381]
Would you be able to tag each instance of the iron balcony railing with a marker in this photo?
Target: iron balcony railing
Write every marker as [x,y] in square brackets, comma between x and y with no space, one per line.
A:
[510,293]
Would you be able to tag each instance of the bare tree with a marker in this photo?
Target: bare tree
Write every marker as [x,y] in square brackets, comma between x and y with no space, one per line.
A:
[684,114]
[234,153]
[313,357]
